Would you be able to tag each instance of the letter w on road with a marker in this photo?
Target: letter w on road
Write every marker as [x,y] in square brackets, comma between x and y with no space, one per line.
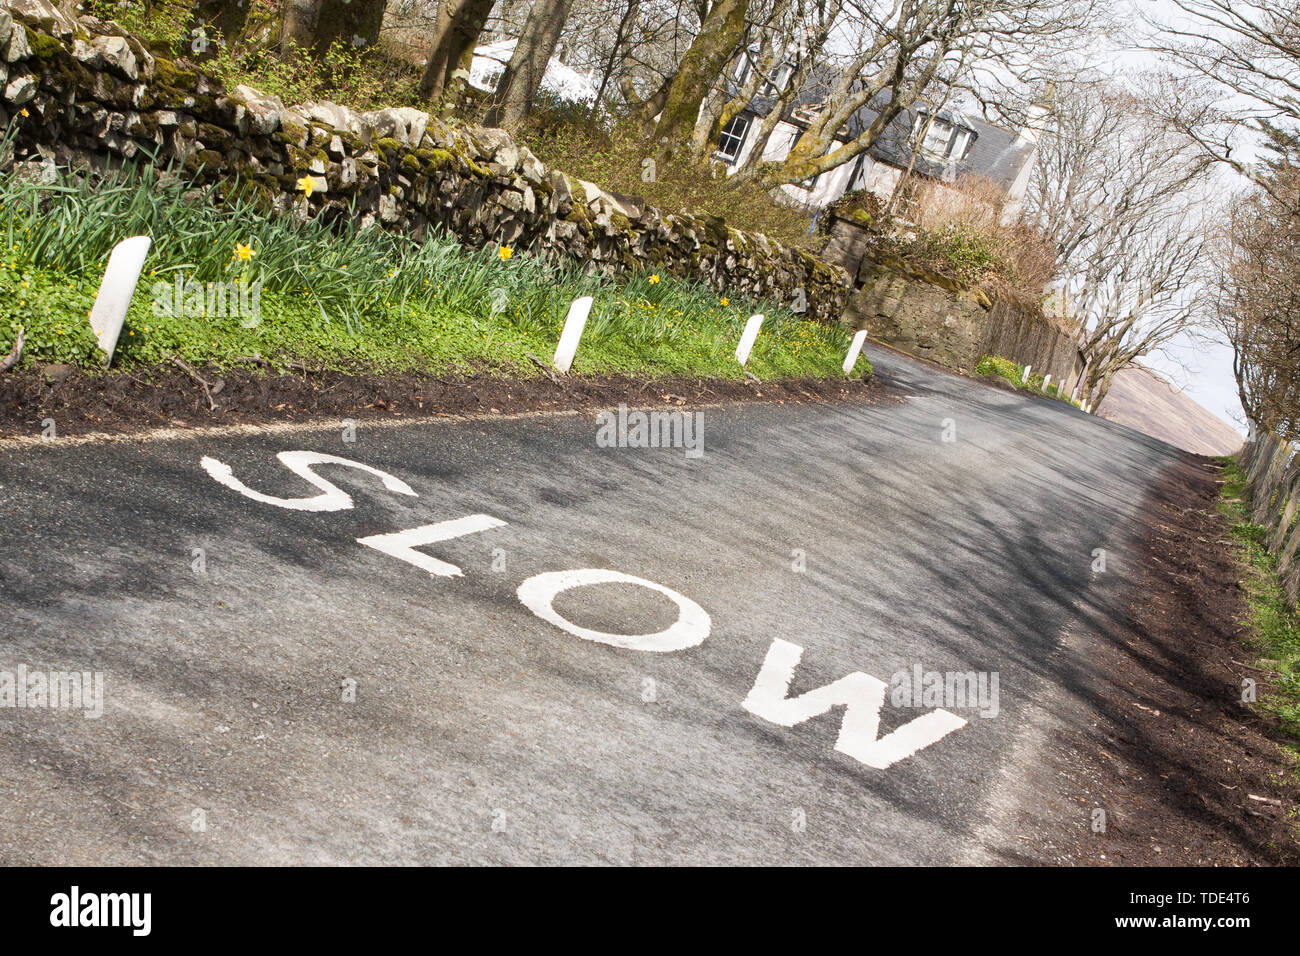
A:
[863,698]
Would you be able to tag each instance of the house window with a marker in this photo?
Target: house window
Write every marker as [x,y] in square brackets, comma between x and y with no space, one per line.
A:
[943,141]
[733,137]
[780,80]
[741,72]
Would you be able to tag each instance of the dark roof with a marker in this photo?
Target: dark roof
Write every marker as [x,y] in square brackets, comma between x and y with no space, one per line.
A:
[996,153]
[815,89]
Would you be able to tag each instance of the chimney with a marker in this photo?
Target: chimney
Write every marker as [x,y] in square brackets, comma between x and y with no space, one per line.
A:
[1036,116]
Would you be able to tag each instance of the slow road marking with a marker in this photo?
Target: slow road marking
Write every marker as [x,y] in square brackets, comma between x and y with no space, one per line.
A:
[862,696]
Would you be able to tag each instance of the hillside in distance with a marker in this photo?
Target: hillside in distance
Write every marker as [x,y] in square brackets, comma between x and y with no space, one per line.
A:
[1141,399]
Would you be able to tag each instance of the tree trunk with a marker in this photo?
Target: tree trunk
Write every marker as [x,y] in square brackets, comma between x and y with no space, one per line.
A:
[227,17]
[455,34]
[317,24]
[299,24]
[1103,386]
[714,47]
[455,94]
[355,23]
[523,76]
[435,71]
[652,103]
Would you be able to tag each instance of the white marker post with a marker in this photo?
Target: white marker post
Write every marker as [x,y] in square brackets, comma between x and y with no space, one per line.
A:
[1025,378]
[855,348]
[747,338]
[1047,380]
[574,323]
[115,292]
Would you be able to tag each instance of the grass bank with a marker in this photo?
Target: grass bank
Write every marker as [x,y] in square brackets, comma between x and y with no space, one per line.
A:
[1274,625]
[1014,374]
[224,281]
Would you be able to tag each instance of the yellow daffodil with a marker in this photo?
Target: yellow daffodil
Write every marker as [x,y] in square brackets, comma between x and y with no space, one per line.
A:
[654,280]
[243,253]
[307,185]
[723,301]
[505,252]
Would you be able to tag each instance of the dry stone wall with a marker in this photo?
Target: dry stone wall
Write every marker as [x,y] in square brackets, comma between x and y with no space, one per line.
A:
[83,91]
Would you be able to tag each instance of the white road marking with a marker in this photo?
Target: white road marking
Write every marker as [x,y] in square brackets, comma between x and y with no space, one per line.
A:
[862,695]
[300,463]
[863,698]
[402,544]
[691,628]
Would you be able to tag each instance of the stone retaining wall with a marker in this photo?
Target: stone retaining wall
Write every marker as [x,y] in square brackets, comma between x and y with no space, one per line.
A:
[936,318]
[83,91]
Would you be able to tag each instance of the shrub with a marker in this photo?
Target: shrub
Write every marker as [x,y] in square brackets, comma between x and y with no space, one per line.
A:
[364,79]
[614,157]
[996,365]
[960,233]
[161,24]
[860,206]
[1013,373]
[955,250]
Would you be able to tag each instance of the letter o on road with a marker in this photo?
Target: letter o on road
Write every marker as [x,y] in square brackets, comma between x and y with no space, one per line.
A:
[540,591]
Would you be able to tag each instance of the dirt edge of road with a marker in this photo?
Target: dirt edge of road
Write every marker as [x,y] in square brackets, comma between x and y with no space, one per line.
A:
[1187,775]
[160,397]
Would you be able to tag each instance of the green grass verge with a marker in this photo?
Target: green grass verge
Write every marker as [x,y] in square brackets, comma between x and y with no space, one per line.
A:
[633,329]
[1013,373]
[348,298]
[1274,625]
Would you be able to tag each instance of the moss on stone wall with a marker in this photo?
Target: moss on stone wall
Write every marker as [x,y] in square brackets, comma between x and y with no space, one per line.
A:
[474,183]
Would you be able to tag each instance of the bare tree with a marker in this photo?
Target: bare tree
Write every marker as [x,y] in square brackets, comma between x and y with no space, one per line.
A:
[626,46]
[1236,71]
[900,50]
[779,57]
[722,29]
[1126,201]
[1257,300]
[626,23]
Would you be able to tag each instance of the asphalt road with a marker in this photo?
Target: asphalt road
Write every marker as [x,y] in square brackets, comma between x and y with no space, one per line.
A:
[290,695]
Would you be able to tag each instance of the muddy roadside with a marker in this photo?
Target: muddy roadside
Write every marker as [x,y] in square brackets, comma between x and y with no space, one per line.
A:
[1183,772]
[170,396]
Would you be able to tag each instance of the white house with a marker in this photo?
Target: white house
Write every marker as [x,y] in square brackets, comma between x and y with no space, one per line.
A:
[559,80]
[956,144]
